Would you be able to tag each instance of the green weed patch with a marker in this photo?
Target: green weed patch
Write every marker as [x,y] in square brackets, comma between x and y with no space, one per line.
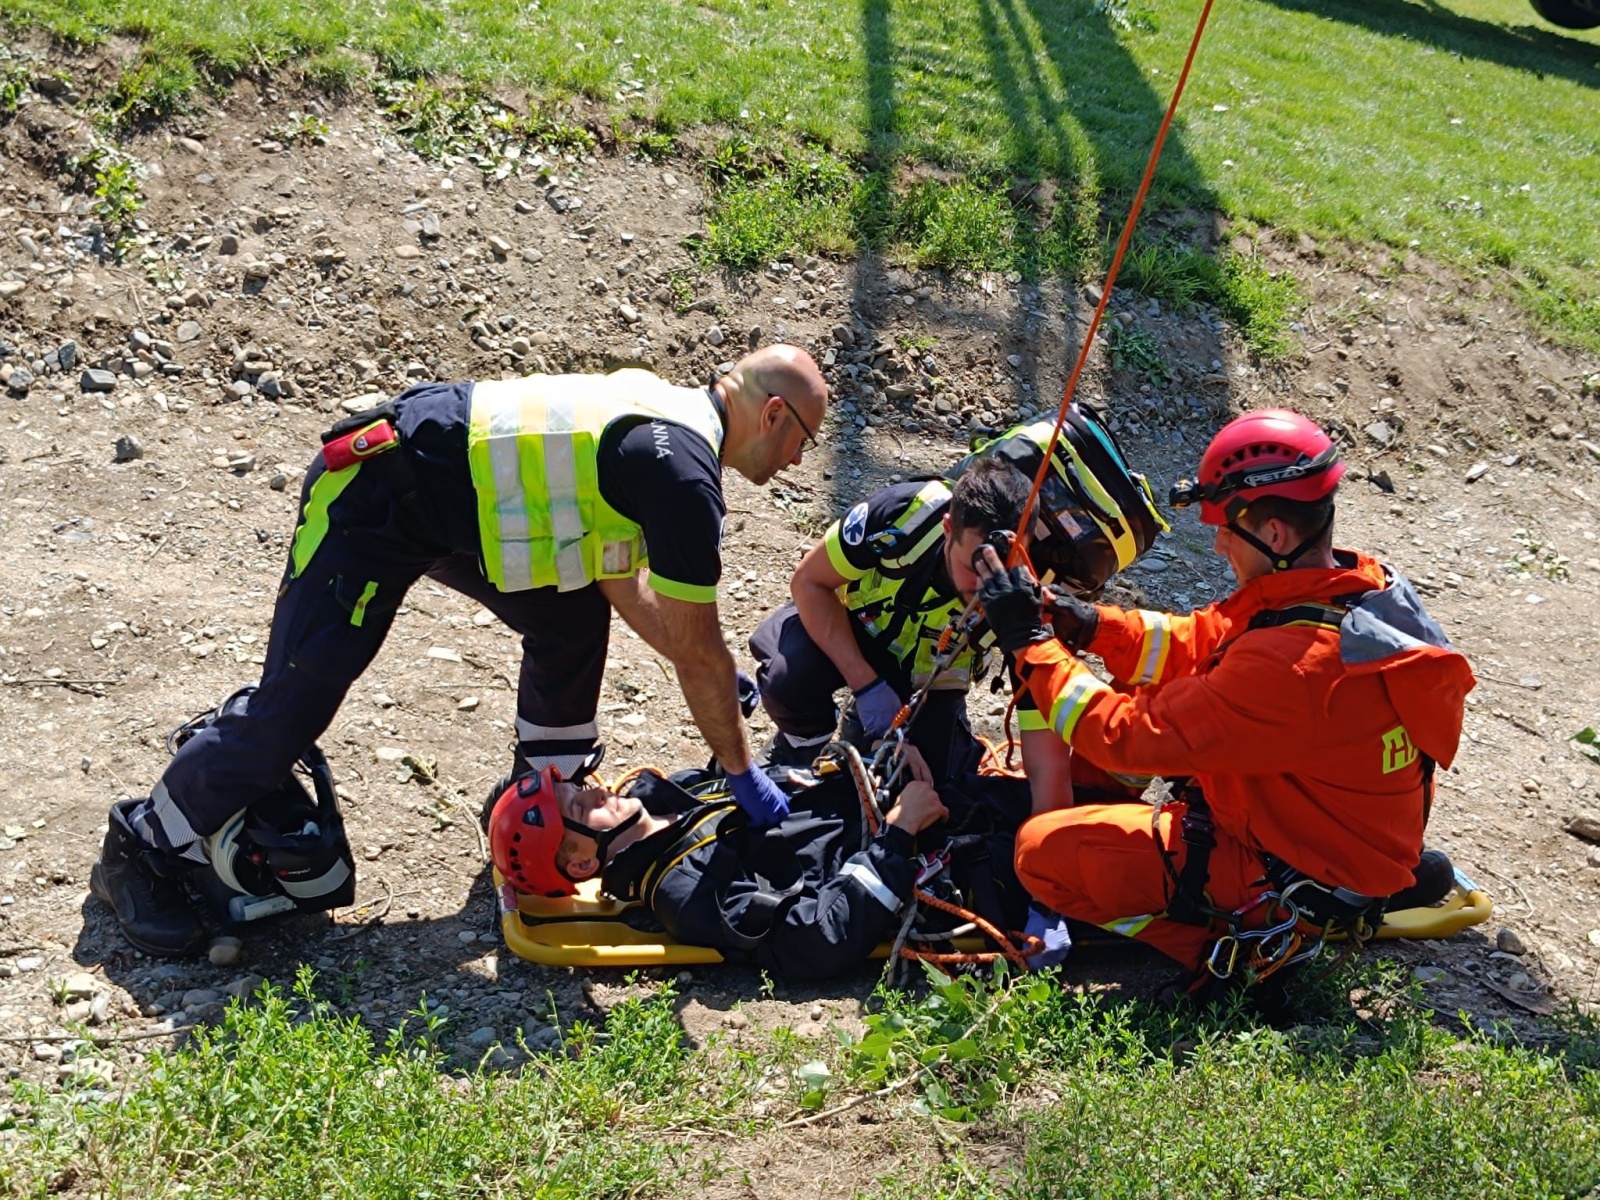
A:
[1096,1099]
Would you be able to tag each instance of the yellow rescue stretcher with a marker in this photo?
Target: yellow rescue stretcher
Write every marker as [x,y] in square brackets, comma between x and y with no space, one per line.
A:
[591,930]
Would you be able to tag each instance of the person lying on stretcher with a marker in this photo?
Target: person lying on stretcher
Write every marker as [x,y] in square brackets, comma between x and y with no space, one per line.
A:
[807,898]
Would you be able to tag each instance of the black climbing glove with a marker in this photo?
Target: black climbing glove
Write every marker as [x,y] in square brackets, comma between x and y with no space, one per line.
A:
[1012,605]
[1075,622]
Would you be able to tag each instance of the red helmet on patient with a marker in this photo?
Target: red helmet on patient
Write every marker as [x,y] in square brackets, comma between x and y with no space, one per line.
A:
[525,832]
[1270,452]
[526,829]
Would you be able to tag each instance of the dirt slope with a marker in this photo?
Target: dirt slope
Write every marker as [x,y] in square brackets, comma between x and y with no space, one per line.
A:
[281,284]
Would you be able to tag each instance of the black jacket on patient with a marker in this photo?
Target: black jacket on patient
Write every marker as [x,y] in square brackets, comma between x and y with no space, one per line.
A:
[805,898]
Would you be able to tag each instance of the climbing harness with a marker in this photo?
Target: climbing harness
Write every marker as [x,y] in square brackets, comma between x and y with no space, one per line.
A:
[910,943]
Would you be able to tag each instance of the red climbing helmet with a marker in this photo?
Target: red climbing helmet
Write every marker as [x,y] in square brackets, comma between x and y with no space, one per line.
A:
[1270,452]
[525,831]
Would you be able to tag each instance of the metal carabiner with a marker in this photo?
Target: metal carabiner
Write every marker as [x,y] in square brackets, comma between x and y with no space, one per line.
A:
[1232,944]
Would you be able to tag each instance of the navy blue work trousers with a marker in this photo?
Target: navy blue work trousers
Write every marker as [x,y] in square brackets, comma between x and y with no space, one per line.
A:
[357,550]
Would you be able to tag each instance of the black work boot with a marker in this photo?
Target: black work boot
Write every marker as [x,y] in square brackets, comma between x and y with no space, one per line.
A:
[153,909]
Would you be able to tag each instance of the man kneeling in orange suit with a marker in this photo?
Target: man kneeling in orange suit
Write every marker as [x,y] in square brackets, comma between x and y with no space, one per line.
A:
[1302,719]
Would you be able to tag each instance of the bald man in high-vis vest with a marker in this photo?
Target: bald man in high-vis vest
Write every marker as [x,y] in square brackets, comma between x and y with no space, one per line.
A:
[552,500]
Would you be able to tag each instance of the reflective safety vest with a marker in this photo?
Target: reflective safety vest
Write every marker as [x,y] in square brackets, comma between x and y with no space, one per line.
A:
[532,445]
[897,604]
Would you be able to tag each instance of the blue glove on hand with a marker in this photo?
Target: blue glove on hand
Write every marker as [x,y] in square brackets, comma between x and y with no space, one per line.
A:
[877,705]
[749,693]
[1051,929]
[762,800]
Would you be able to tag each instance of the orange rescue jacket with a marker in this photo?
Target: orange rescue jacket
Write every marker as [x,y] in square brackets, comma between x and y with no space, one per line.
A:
[1306,736]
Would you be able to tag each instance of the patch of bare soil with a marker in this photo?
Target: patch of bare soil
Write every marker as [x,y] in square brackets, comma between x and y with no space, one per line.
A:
[144,528]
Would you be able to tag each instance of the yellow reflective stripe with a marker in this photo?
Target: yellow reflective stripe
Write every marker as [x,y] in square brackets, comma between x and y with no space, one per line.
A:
[358,614]
[693,593]
[918,550]
[832,543]
[1126,546]
[1129,926]
[314,522]
[931,494]
[1031,719]
[1074,698]
[1157,644]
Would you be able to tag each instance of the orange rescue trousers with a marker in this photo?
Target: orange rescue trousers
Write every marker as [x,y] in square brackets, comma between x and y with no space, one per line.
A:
[1099,863]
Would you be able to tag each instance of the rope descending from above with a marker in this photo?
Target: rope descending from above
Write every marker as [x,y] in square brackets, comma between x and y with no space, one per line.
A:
[1111,279]
[955,634]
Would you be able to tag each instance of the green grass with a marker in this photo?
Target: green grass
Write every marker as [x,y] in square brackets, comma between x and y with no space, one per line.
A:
[291,1100]
[1469,129]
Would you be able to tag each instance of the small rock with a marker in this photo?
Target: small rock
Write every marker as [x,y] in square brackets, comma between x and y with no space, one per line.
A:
[244,987]
[816,1012]
[100,1009]
[10,287]
[225,952]
[1427,975]
[127,449]
[531,255]
[482,1038]
[199,998]
[499,245]
[736,1020]
[628,313]
[20,380]
[1508,941]
[1379,432]
[467,704]
[96,380]
[228,244]
[715,336]
[67,355]
[79,986]
[47,1052]
[430,226]
[1561,431]
[1477,471]
[466,937]
[278,482]
[1584,826]
[408,251]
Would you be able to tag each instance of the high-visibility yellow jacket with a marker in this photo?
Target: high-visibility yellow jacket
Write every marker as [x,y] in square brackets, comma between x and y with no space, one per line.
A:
[531,446]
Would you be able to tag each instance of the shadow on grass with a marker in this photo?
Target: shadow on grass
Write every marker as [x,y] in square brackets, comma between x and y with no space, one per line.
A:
[1535,48]
[1095,126]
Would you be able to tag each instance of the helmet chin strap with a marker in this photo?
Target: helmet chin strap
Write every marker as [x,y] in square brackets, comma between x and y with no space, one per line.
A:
[1280,562]
[602,838]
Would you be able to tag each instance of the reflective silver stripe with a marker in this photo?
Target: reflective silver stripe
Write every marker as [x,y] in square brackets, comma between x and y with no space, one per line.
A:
[328,881]
[1069,706]
[566,765]
[863,874]
[510,508]
[159,822]
[1157,641]
[566,518]
[527,731]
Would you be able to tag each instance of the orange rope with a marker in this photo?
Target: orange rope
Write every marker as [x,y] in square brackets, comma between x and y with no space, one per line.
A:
[1009,950]
[1105,296]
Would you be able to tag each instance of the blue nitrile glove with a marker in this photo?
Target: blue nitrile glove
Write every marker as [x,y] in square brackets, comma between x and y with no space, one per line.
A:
[877,705]
[762,800]
[749,693]
[1051,929]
